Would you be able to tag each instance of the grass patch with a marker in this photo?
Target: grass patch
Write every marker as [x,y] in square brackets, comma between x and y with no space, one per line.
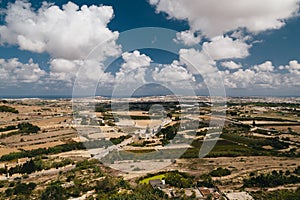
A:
[222,148]
[146,180]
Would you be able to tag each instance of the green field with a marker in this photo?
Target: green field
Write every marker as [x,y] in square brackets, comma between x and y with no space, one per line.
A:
[146,180]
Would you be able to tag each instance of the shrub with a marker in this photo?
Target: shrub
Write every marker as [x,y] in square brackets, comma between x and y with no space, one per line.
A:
[220,172]
[8,109]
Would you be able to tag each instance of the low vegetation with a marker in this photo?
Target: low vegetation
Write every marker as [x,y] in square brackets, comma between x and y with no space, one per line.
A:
[21,129]
[256,142]
[277,194]
[43,151]
[21,189]
[27,128]
[179,179]
[169,132]
[35,165]
[172,178]
[8,128]
[273,179]
[4,108]
[120,139]
[220,172]
[84,176]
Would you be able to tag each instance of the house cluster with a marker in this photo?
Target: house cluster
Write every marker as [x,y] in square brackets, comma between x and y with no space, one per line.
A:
[199,192]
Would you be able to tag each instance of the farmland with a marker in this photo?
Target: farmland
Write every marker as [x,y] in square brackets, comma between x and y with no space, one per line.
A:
[113,146]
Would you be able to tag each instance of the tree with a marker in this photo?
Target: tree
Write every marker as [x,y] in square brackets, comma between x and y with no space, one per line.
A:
[297,170]
[8,109]
[105,185]
[54,192]
[9,192]
[176,179]
[27,128]
[28,167]
[220,172]
[23,188]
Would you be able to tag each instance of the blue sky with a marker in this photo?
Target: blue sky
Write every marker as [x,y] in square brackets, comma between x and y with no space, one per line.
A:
[47,48]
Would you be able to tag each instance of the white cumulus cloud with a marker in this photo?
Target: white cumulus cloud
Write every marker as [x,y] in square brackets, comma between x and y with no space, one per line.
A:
[265,67]
[172,73]
[88,73]
[13,71]
[264,75]
[216,17]
[231,65]
[226,48]
[292,67]
[133,70]
[199,63]
[187,38]
[69,32]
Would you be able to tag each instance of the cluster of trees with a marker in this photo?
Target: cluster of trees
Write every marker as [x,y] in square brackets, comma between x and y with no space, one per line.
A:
[54,192]
[272,179]
[206,181]
[23,128]
[169,132]
[266,131]
[236,128]
[4,108]
[21,189]
[146,106]
[201,133]
[62,163]
[276,143]
[164,142]
[141,192]
[9,134]
[137,117]
[120,139]
[110,187]
[297,170]
[179,179]
[140,106]
[276,194]
[173,178]
[102,107]
[54,150]
[203,124]
[44,151]
[107,187]
[3,101]
[27,128]
[33,166]
[8,128]
[86,164]
[26,168]
[219,172]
